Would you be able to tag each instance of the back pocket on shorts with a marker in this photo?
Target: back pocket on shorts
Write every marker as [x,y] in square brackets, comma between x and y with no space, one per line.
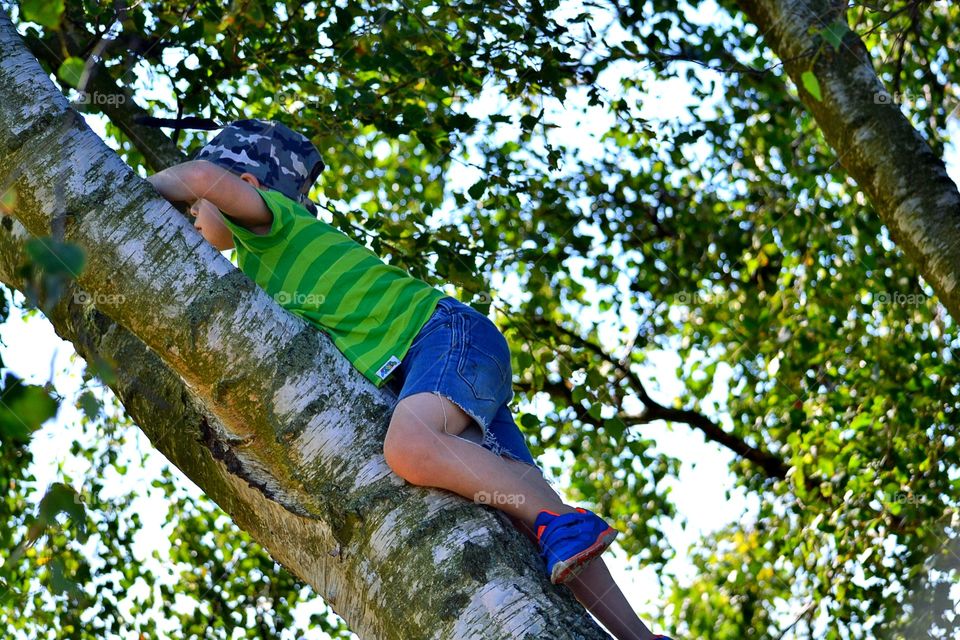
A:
[482,365]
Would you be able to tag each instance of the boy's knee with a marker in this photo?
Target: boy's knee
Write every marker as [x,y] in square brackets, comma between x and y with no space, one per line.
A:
[408,450]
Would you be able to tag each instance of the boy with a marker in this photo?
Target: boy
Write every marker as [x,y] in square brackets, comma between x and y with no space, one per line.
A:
[450,364]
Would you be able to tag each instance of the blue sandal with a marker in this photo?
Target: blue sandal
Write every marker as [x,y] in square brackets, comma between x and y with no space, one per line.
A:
[571,540]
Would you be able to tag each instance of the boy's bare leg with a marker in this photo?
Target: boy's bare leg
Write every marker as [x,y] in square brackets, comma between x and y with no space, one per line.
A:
[596,590]
[423,452]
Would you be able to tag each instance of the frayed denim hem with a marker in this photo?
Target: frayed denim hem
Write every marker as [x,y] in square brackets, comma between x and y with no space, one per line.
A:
[488,440]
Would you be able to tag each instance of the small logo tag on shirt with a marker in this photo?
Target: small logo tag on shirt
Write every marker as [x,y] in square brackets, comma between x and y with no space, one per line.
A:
[389,366]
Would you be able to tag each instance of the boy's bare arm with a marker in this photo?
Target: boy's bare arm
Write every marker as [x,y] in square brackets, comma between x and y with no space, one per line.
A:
[199,179]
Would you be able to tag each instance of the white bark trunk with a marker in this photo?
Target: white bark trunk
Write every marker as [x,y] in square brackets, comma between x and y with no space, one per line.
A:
[255,406]
[905,181]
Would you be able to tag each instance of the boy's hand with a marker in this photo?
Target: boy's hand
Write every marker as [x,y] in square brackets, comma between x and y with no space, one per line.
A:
[236,197]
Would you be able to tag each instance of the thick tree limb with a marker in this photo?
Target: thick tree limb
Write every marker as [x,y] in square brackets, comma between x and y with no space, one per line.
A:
[253,404]
[906,182]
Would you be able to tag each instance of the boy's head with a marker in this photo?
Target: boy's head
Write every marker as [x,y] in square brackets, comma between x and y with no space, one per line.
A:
[280,158]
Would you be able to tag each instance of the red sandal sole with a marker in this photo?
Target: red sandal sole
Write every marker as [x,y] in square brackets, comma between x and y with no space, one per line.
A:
[564,570]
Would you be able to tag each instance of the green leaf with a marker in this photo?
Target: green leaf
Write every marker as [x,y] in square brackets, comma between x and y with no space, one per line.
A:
[61,498]
[462,122]
[812,85]
[45,12]
[528,122]
[688,136]
[595,379]
[56,257]
[615,426]
[89,404]
[595,410]
[59,582]
[71,71]
[578,393]
[834,32]
[524,359]
[413,115]
[477,190]
[529,422]
[24,408]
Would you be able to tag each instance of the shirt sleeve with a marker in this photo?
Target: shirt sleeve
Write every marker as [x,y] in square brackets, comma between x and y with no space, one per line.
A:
[283,215]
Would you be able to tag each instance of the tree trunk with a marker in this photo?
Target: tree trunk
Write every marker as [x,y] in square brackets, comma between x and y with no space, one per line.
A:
[254,405]
[904,179]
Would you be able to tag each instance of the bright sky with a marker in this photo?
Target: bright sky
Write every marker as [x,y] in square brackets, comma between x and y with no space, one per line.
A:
[34,352]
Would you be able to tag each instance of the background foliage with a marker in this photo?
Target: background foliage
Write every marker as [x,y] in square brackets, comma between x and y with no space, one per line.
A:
[744,246]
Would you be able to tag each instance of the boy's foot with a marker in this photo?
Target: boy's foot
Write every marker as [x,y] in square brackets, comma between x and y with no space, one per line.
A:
[569,541]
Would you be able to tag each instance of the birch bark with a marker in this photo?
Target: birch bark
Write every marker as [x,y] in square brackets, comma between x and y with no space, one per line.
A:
[905,181]
[251,403]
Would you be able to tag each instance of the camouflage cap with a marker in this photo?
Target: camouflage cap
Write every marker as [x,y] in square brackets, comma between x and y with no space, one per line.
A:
[280,158]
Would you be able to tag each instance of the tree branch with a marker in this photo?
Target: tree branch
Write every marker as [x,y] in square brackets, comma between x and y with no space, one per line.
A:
[772,465]
[102,93]
[906,182]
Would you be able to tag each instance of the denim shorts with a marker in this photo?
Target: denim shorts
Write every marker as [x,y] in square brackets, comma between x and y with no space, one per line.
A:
[461,354]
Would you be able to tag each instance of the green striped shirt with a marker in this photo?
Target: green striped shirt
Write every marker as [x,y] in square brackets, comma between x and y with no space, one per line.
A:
[372,311]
